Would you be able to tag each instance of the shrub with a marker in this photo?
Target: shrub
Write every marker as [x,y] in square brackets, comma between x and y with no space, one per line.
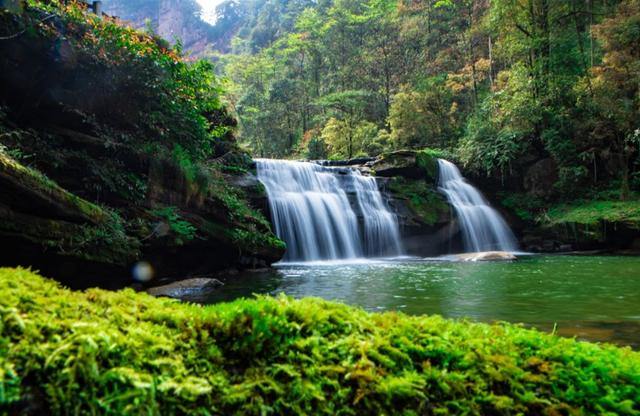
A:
[182,230]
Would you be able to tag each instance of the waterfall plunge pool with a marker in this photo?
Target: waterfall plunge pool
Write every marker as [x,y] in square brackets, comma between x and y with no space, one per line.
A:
[594,298]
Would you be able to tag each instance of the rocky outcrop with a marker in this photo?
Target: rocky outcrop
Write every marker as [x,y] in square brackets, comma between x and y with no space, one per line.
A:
[411,164]
[174,20]
[47,227]
[426,220]
[409,179]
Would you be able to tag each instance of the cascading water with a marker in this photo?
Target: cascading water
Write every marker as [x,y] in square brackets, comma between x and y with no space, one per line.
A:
[312,213]
[483,228]
[381,231]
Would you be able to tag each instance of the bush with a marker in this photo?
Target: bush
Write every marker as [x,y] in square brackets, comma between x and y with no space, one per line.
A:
[100,352]
[140,83]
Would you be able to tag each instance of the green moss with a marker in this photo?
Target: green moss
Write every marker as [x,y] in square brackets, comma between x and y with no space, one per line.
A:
[595,212]
[423,200]
[37,183]
[251,231]
[102,352]
[427,159]
[256,241]
[77,228]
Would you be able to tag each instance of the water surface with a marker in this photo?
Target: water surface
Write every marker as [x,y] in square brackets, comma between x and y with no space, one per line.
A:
[592,297]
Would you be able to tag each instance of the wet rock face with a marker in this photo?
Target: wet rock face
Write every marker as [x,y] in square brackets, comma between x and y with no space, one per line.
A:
[253,189]
[426,221]
[409,179]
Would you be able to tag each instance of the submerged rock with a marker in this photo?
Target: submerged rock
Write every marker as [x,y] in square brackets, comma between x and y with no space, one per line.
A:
[190,289]
[486,256]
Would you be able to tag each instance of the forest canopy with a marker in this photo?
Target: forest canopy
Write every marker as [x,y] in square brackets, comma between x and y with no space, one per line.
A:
[500,83]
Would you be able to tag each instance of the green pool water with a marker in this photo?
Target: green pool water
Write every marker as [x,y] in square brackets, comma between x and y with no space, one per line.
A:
[595,298]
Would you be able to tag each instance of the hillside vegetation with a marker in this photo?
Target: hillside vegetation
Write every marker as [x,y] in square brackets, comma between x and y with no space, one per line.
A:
[115,148]
[540,94]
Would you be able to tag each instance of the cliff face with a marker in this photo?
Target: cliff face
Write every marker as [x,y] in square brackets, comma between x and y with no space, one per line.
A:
[95,169]
[170,19]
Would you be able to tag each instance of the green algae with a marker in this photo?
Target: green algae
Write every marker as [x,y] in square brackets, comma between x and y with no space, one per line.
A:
[100,352]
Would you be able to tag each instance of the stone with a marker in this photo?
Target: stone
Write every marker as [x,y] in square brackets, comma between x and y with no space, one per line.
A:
[412,164]
[486,256]
[195,289]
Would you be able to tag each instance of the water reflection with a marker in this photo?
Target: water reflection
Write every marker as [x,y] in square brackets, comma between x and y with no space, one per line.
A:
[595,298]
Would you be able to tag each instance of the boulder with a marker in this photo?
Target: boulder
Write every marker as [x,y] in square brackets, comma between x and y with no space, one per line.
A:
[486,256]
[413,164]
[195,289]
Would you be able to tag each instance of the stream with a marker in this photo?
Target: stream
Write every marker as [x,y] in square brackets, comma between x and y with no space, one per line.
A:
[594,298]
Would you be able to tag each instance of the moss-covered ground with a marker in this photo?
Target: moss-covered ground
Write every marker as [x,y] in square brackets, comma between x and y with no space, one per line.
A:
[100,352]
[594,212]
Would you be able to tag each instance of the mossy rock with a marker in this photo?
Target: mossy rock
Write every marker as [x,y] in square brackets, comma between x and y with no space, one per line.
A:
[424,201]
[35,209]
[32,190]
[413,164]
[100,352]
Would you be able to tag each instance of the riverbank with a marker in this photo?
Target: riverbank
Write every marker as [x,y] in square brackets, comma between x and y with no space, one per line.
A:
[110,352]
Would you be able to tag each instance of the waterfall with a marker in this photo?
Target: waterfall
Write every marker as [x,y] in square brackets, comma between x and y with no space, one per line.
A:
[312,213]
[483,228]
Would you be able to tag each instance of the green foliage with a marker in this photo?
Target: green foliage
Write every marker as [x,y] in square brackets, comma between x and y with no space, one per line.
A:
[345,141]
[251,231]
[426,159]
[423,118]
[525,206]
[502,82]
[102,352]
[150,88]
[182,230]
[255,241]
[502,128]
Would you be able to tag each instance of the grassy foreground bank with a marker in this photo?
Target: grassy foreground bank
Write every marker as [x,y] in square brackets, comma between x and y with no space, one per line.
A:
[100,352]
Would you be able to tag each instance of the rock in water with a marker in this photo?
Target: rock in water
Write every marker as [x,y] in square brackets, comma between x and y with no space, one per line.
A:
[486,256]
[195,289]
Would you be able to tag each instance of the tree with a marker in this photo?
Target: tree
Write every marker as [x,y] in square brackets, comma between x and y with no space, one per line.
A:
[423,118]
[346,140]
[616,87]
